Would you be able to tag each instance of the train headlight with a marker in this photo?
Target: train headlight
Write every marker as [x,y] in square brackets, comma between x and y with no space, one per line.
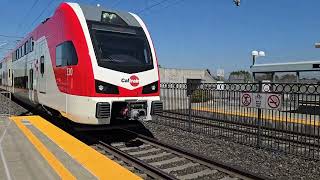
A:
[153,87]
[112,18]
[100,87]
[150,88]
[106,88]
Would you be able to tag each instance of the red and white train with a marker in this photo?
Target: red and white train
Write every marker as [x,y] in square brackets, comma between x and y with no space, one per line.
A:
[93,65]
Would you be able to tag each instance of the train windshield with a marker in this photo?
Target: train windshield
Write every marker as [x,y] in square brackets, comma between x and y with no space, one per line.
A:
[122,49]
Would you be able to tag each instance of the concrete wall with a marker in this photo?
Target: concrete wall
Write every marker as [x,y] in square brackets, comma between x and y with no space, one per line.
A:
[171,75]
[175,98]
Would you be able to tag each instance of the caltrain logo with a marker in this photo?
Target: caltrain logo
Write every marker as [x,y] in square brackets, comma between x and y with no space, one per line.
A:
[133,80]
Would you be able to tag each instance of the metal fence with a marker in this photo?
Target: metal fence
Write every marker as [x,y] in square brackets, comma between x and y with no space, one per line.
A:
[218,110]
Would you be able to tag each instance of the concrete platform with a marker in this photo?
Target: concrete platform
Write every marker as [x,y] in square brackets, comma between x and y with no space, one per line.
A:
[32,148]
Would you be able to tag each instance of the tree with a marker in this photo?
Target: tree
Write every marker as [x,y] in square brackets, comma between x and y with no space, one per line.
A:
[240,76]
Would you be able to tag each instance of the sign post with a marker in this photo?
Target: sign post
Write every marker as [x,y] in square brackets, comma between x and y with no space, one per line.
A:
[259,115]
[261,100]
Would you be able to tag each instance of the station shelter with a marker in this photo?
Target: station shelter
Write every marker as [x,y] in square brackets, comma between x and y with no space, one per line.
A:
[291,72]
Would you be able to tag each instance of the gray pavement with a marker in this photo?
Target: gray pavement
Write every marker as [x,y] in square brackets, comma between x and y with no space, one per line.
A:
[19,159]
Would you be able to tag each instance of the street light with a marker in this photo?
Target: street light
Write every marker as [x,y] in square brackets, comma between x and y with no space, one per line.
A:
[256,54]
[236,2]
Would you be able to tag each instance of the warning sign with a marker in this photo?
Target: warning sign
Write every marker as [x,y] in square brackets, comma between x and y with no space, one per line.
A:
[274,101]
[261,100]
[246,99]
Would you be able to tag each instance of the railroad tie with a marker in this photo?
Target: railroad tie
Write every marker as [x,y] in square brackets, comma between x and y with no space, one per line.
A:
[134,147]
[117,144]
[128,148]
[154,156]
[197,174]
[168,161]
[144,151]
[178,168]
[229,178]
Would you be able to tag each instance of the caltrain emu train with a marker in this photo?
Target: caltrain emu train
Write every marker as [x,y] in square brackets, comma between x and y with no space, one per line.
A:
[92,65]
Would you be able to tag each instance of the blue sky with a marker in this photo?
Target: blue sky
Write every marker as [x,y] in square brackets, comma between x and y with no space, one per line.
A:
[201,33]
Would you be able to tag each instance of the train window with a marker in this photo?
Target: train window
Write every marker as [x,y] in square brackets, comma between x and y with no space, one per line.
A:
[0,65]
[13,56]
[42,65]
[59,61]
[31,79]
[31,44]
[128,53]
[25,48]
[20,51]
[9,73]
[18,54]
[22,47]
[66,54]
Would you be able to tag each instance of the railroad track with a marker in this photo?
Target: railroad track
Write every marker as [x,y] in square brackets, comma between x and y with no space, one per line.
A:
[152,159]
[273,139]
[240,127]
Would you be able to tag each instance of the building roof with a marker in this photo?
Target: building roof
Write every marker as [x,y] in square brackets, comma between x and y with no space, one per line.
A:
[286,67]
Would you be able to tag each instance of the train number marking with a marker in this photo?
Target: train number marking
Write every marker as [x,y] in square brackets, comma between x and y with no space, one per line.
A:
[69,71]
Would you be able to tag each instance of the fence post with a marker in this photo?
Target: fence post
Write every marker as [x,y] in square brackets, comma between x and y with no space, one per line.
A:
[259,119]
[190,112]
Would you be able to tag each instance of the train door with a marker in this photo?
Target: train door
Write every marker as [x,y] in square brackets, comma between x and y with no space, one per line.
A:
[61,76]
[30,86]
[10,79]
[42,76]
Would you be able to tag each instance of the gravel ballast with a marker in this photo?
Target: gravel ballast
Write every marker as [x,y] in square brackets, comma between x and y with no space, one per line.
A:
[9,107]
[266,163]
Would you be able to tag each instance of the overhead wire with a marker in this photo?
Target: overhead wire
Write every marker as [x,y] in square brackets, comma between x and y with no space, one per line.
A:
[52,10]
[9,49]
[116,3]
[173,3]
[27,14]
[151,6]
[9,36]
[43,11]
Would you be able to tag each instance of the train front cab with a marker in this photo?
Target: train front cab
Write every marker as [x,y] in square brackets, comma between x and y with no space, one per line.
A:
[123,82]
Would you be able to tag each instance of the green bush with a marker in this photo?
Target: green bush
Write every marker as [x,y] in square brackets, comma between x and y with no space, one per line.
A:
[200,96]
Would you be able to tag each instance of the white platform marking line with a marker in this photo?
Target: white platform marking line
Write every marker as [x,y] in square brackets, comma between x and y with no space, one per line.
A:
[2,155]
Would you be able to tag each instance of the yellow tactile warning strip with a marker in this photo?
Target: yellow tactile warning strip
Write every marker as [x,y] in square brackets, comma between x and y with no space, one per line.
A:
[98,164]
[266,117]
[46,154]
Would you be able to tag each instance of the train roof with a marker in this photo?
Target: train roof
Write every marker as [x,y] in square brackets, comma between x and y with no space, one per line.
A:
[93,13]
[286,67]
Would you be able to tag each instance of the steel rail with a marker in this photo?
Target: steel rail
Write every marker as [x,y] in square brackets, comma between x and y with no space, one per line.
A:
[141,165]
[214,164]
